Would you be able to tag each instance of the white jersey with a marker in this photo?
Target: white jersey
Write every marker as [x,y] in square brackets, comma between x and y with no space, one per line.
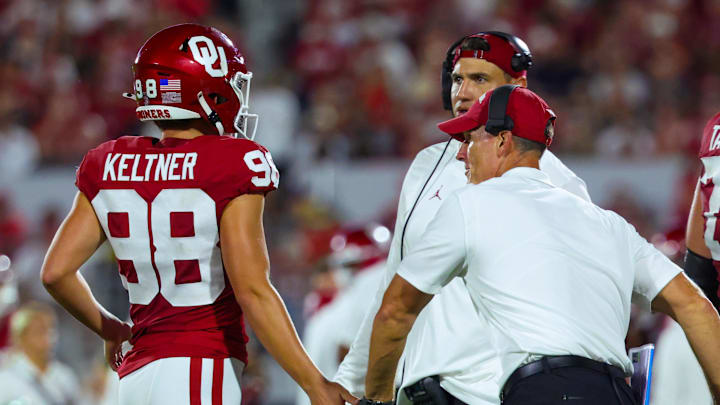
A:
[552,273]
[449,338]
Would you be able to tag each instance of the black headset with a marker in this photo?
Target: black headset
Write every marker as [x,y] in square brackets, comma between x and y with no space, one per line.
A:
[498,120]
[521,60]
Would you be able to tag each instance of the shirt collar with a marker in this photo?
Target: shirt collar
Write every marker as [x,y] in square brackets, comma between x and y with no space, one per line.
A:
[527,173]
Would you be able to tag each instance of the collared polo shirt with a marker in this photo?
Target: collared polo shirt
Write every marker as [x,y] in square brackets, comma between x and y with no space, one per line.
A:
[449,336]
[553,274]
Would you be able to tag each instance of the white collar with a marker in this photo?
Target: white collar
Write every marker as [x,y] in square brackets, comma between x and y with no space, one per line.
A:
[527,173]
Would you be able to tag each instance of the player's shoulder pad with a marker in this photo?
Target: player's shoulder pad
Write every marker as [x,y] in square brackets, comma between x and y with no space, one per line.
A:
[121,144]
[710,145]
[251,164]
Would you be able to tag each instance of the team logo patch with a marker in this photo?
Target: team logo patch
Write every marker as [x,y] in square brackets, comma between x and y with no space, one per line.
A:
[170,97]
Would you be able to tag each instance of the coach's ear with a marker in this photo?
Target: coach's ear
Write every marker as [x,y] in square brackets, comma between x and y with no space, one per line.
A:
[520,81]
[504,143]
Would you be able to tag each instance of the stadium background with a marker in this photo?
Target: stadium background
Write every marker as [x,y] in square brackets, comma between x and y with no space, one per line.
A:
[348,92]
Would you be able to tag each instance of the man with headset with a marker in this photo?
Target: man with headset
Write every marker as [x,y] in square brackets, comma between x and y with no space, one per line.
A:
[448,346]
[553,275]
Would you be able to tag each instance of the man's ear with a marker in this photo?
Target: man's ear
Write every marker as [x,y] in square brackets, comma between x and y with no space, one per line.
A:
[503,141]
[520,81]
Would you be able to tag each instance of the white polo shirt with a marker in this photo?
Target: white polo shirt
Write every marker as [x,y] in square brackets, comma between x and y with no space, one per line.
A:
[449,337]
[552,273]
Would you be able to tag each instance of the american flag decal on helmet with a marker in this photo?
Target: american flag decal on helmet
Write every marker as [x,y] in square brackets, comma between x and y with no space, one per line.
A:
[170,85]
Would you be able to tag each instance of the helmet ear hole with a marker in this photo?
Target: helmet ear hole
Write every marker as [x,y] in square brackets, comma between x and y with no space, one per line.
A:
[217,98]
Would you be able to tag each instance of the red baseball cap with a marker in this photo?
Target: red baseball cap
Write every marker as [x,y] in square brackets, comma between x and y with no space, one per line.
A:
[500,53]
[529,113]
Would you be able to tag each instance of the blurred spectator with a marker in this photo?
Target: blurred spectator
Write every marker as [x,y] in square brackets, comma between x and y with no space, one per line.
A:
[8,299]
[29,258]
[29,374]
[19,151]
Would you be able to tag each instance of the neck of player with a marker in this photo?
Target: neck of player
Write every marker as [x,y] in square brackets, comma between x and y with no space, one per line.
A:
[186,129]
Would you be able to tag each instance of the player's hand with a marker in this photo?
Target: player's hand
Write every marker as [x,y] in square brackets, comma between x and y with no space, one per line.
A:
[113,346]
[331,393]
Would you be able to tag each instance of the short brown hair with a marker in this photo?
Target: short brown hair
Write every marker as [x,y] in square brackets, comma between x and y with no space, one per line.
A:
[176,124]
[526,145]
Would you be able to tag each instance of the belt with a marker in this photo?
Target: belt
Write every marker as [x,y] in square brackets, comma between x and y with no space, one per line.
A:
[553,362]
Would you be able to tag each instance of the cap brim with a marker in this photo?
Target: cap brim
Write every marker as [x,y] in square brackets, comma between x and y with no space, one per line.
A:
[457,126]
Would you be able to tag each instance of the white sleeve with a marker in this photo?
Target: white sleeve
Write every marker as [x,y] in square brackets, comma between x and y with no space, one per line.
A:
[653,270]
[441,253]
[561,176]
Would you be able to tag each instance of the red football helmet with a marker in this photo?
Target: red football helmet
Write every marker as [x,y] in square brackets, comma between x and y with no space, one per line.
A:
[192,71]
[359,247]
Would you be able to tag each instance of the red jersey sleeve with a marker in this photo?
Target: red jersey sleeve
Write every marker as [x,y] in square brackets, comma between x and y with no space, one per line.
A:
[86,173]
[711,138]
[254,171]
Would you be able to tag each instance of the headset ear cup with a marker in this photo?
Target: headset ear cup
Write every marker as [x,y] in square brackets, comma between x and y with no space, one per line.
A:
[446,81]
[520,62]
[516,62]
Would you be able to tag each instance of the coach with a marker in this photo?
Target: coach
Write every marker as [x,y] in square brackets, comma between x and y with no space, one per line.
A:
[552,273]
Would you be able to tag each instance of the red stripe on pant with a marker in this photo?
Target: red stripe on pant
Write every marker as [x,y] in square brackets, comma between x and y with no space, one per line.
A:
[217,383]
[195,380]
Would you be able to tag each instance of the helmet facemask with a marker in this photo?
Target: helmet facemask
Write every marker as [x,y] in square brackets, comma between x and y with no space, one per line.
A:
[245,122]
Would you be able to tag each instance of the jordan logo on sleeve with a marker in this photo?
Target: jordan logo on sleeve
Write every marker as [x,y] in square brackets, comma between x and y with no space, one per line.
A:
[437,194]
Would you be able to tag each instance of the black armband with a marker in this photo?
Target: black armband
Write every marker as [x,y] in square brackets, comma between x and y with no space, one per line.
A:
[702,271]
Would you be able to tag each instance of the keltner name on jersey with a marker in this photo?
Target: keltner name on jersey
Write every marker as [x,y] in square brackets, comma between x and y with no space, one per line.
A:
[160,166]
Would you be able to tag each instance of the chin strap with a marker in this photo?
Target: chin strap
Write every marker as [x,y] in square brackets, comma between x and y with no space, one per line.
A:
[213,116]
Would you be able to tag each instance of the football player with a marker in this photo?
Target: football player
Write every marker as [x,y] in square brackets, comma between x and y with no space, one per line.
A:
[183,215]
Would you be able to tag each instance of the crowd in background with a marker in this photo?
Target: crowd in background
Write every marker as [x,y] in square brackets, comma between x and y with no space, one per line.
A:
[345,80]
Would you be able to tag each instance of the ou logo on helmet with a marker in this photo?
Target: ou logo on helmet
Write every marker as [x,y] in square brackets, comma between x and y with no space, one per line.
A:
[206,53]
